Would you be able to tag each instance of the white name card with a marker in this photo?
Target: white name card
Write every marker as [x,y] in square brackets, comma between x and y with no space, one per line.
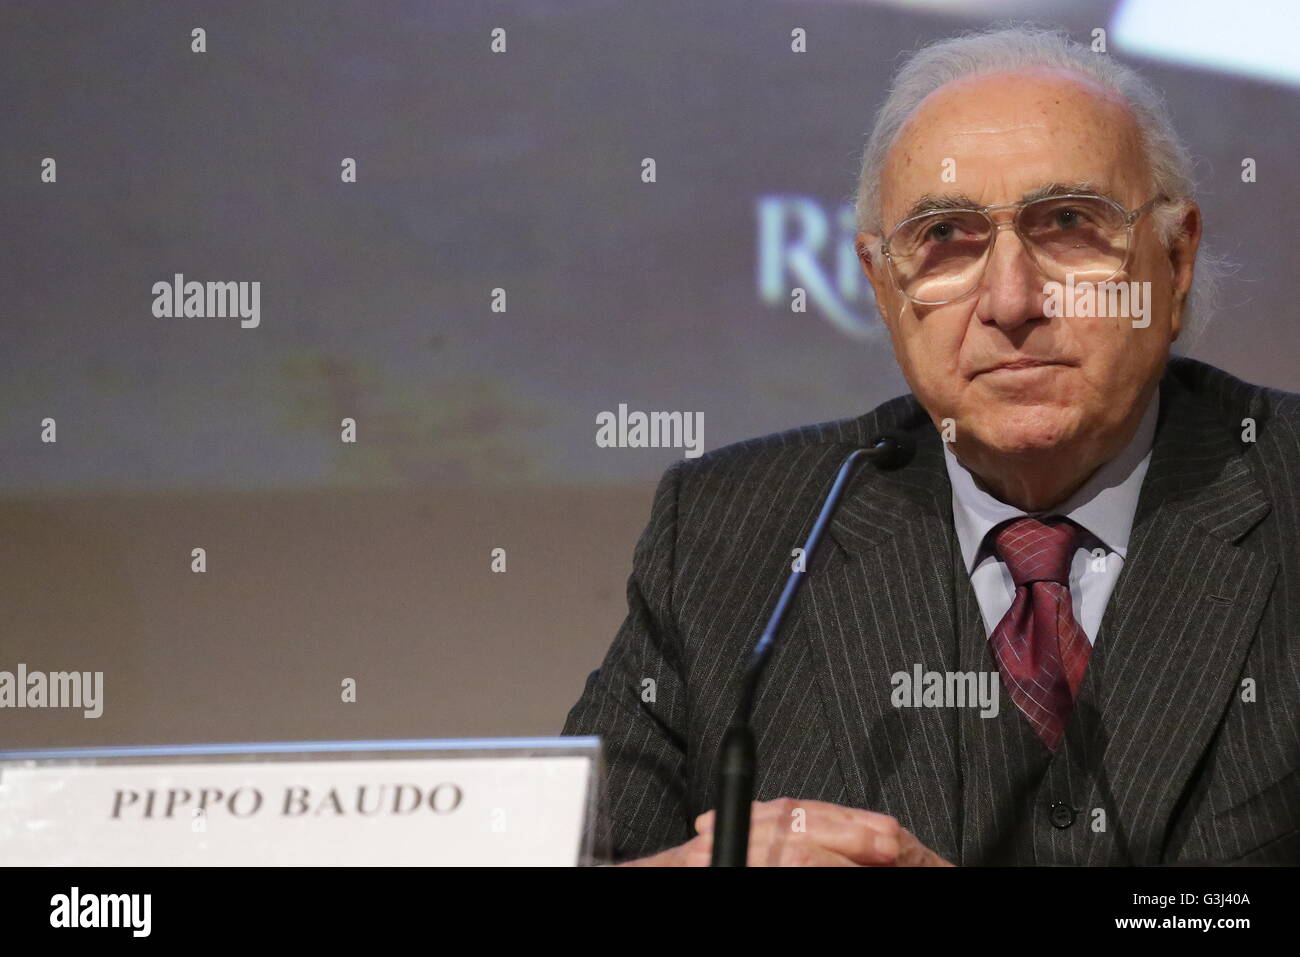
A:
[523,802]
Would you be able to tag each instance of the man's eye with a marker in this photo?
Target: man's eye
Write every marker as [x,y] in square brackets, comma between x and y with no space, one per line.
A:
[940,232]
[1067,218]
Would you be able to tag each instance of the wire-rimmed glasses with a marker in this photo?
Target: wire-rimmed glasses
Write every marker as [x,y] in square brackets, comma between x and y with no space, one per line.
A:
[940,256]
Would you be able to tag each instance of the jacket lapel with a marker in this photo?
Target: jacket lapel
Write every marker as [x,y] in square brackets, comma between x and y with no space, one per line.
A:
[1175,634]
[878,601]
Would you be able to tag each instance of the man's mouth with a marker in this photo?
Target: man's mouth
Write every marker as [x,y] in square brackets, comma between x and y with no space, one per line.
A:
[1019,365]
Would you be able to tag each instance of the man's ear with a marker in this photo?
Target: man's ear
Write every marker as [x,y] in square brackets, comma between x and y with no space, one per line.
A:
[1182,261]
[877,270]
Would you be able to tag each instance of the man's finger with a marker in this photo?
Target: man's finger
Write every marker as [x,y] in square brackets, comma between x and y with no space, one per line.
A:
[770,846]
[804,812]
[772,842]
[797,809]
[863,837]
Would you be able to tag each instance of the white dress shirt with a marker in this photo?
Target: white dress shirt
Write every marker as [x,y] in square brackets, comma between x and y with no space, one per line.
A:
[1104,507]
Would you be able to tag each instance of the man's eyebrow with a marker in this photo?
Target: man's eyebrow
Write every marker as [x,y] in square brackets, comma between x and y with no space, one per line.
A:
[932,203]
[938,202]
[1061,189]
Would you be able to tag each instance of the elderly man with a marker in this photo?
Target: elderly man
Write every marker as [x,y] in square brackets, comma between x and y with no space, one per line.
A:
[1109,533]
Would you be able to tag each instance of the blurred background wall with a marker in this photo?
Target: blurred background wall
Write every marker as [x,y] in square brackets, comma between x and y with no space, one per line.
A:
[475,429]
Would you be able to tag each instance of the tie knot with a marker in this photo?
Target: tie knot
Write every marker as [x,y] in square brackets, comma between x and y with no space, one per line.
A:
[1037,550]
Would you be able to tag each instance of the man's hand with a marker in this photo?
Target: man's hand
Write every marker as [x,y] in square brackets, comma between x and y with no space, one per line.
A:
[792,833]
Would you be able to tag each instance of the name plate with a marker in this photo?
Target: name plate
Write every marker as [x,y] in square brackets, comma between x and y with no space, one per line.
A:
[517,802]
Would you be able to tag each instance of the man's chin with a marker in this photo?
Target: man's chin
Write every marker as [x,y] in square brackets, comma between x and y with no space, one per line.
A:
[1020,433]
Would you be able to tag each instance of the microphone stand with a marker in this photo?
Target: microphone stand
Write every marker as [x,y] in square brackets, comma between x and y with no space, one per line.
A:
[736,761]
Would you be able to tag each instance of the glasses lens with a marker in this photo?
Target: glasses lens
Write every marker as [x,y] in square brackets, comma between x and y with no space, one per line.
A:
[1071,235]
[939,256]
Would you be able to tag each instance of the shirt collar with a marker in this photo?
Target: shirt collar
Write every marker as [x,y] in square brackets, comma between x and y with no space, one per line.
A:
[1104,505]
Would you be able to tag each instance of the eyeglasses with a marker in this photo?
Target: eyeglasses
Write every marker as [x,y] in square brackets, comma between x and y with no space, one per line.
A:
[941,256]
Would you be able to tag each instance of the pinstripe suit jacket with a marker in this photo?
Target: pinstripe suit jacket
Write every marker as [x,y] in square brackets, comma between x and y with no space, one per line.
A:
[1184,746]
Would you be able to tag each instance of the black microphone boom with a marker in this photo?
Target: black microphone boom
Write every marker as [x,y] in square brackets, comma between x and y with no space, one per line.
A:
[735,790]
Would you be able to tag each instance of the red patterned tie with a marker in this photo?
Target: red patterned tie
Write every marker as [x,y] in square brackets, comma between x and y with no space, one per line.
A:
[1040,647]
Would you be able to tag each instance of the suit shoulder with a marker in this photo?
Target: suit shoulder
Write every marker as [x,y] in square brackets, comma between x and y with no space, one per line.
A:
[1273,413]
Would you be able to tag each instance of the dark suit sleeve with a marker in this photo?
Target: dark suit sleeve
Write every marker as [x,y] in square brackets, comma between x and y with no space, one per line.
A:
[636,701]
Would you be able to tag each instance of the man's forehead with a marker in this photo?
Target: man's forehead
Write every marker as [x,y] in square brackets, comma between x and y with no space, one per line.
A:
[1004,137]
[1030,89]
[1001,111]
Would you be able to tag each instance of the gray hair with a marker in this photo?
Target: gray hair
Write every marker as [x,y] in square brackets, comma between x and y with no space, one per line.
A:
[1006,49]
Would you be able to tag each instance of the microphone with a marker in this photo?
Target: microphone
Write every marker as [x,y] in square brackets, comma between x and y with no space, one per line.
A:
[890,450]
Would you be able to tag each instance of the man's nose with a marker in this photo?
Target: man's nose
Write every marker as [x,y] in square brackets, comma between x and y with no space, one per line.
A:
[1012,290]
